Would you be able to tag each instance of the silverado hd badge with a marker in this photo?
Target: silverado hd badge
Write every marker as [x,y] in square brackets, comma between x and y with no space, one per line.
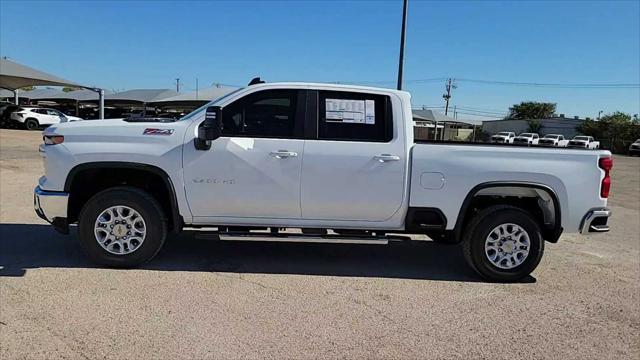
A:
[152,131]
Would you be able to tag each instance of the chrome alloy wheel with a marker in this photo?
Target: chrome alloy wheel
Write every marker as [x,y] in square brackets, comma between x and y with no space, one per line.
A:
[120,230]
[507,246]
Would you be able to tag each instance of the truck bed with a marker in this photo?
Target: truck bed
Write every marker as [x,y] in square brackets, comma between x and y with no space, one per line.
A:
[444,173]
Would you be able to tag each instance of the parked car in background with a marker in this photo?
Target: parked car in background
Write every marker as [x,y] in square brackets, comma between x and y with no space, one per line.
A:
[527,138]
[32,118]
[503,137]
[634,149]
[584,142]
[556,140]
[6,108]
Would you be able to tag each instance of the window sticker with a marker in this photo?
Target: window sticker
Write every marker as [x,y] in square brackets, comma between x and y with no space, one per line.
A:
[350,111]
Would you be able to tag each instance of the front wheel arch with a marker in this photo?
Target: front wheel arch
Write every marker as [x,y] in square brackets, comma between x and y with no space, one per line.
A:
[131,174]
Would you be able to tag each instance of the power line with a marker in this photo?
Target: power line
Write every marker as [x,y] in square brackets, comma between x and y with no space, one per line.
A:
[465,108]
[556,85]
[513,83]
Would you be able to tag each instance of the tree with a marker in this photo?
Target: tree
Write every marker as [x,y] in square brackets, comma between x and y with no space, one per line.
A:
[69,88]
[616,130]
[532,110]
[28,88]
[534,126]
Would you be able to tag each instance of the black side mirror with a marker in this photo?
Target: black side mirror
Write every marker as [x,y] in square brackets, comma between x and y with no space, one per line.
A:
[210,129]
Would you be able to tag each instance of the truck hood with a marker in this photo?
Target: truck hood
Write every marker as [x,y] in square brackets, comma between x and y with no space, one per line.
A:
[116,131]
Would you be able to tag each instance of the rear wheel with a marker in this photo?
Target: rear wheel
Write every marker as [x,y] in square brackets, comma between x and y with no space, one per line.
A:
[31,124]
[503,243]
[122,227]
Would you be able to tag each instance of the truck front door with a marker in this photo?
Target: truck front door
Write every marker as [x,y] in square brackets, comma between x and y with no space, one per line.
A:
[355,162]
[253,170]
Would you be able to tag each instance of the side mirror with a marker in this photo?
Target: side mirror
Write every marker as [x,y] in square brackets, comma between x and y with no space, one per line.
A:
[210,129]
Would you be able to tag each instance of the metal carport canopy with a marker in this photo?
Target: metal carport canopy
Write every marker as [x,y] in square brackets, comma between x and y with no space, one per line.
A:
[196,98]
[14,76]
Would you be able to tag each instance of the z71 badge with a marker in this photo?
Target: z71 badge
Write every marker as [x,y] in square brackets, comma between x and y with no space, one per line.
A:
[151,131]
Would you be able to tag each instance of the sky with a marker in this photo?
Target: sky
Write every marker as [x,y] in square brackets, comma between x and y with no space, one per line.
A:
[122,45]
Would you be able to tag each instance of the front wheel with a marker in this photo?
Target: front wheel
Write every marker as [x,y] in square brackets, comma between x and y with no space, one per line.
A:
[122,227]
[503,243]
[31,124]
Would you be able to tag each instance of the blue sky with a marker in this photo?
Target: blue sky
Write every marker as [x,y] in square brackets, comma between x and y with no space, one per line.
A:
[147,44]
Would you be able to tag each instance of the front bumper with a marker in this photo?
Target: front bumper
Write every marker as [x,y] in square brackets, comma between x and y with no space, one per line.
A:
[595,221]
[577,145]
[51,206]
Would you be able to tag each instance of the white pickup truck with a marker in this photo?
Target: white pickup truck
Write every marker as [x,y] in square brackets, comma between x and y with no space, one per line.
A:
[329,163]
[584,142]
[527,138]
[503,137]
[556,140]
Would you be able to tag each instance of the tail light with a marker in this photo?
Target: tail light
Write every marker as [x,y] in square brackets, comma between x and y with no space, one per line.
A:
[53,139]
[605,164]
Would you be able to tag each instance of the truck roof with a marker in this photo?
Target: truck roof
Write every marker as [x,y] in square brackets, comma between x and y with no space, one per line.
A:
[343,87]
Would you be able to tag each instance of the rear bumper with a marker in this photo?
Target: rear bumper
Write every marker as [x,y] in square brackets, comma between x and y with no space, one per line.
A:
[595,221]
[51,206]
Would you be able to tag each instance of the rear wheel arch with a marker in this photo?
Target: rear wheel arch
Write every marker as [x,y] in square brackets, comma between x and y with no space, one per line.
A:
[88,179]
[540,199]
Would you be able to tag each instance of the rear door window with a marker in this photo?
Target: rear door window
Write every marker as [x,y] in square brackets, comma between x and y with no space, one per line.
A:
[353,116]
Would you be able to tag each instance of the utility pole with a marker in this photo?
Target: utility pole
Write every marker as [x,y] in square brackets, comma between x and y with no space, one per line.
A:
[403,34]
[600,113]
[450,84]
[178,84]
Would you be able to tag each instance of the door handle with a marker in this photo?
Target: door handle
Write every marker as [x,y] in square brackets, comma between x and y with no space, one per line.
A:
[386,157]
[282,154]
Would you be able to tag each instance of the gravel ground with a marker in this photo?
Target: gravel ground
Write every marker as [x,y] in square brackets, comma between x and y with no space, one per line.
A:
[205,299]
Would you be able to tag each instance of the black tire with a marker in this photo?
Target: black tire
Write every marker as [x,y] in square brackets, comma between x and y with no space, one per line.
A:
[138,200]
[31,124]
[479,229]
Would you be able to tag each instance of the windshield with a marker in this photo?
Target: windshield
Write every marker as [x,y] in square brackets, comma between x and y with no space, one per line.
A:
[526,135]
[503,133]
[197,111]
[551,136]
[585,138]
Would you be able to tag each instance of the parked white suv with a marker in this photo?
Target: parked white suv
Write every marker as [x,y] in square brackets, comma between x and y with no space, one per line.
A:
[33,117]
[324,158]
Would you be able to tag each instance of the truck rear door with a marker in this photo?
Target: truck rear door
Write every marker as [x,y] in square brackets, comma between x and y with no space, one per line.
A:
[354,164]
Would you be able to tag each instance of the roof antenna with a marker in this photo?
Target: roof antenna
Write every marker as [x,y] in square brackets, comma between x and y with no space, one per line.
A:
[256,80]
